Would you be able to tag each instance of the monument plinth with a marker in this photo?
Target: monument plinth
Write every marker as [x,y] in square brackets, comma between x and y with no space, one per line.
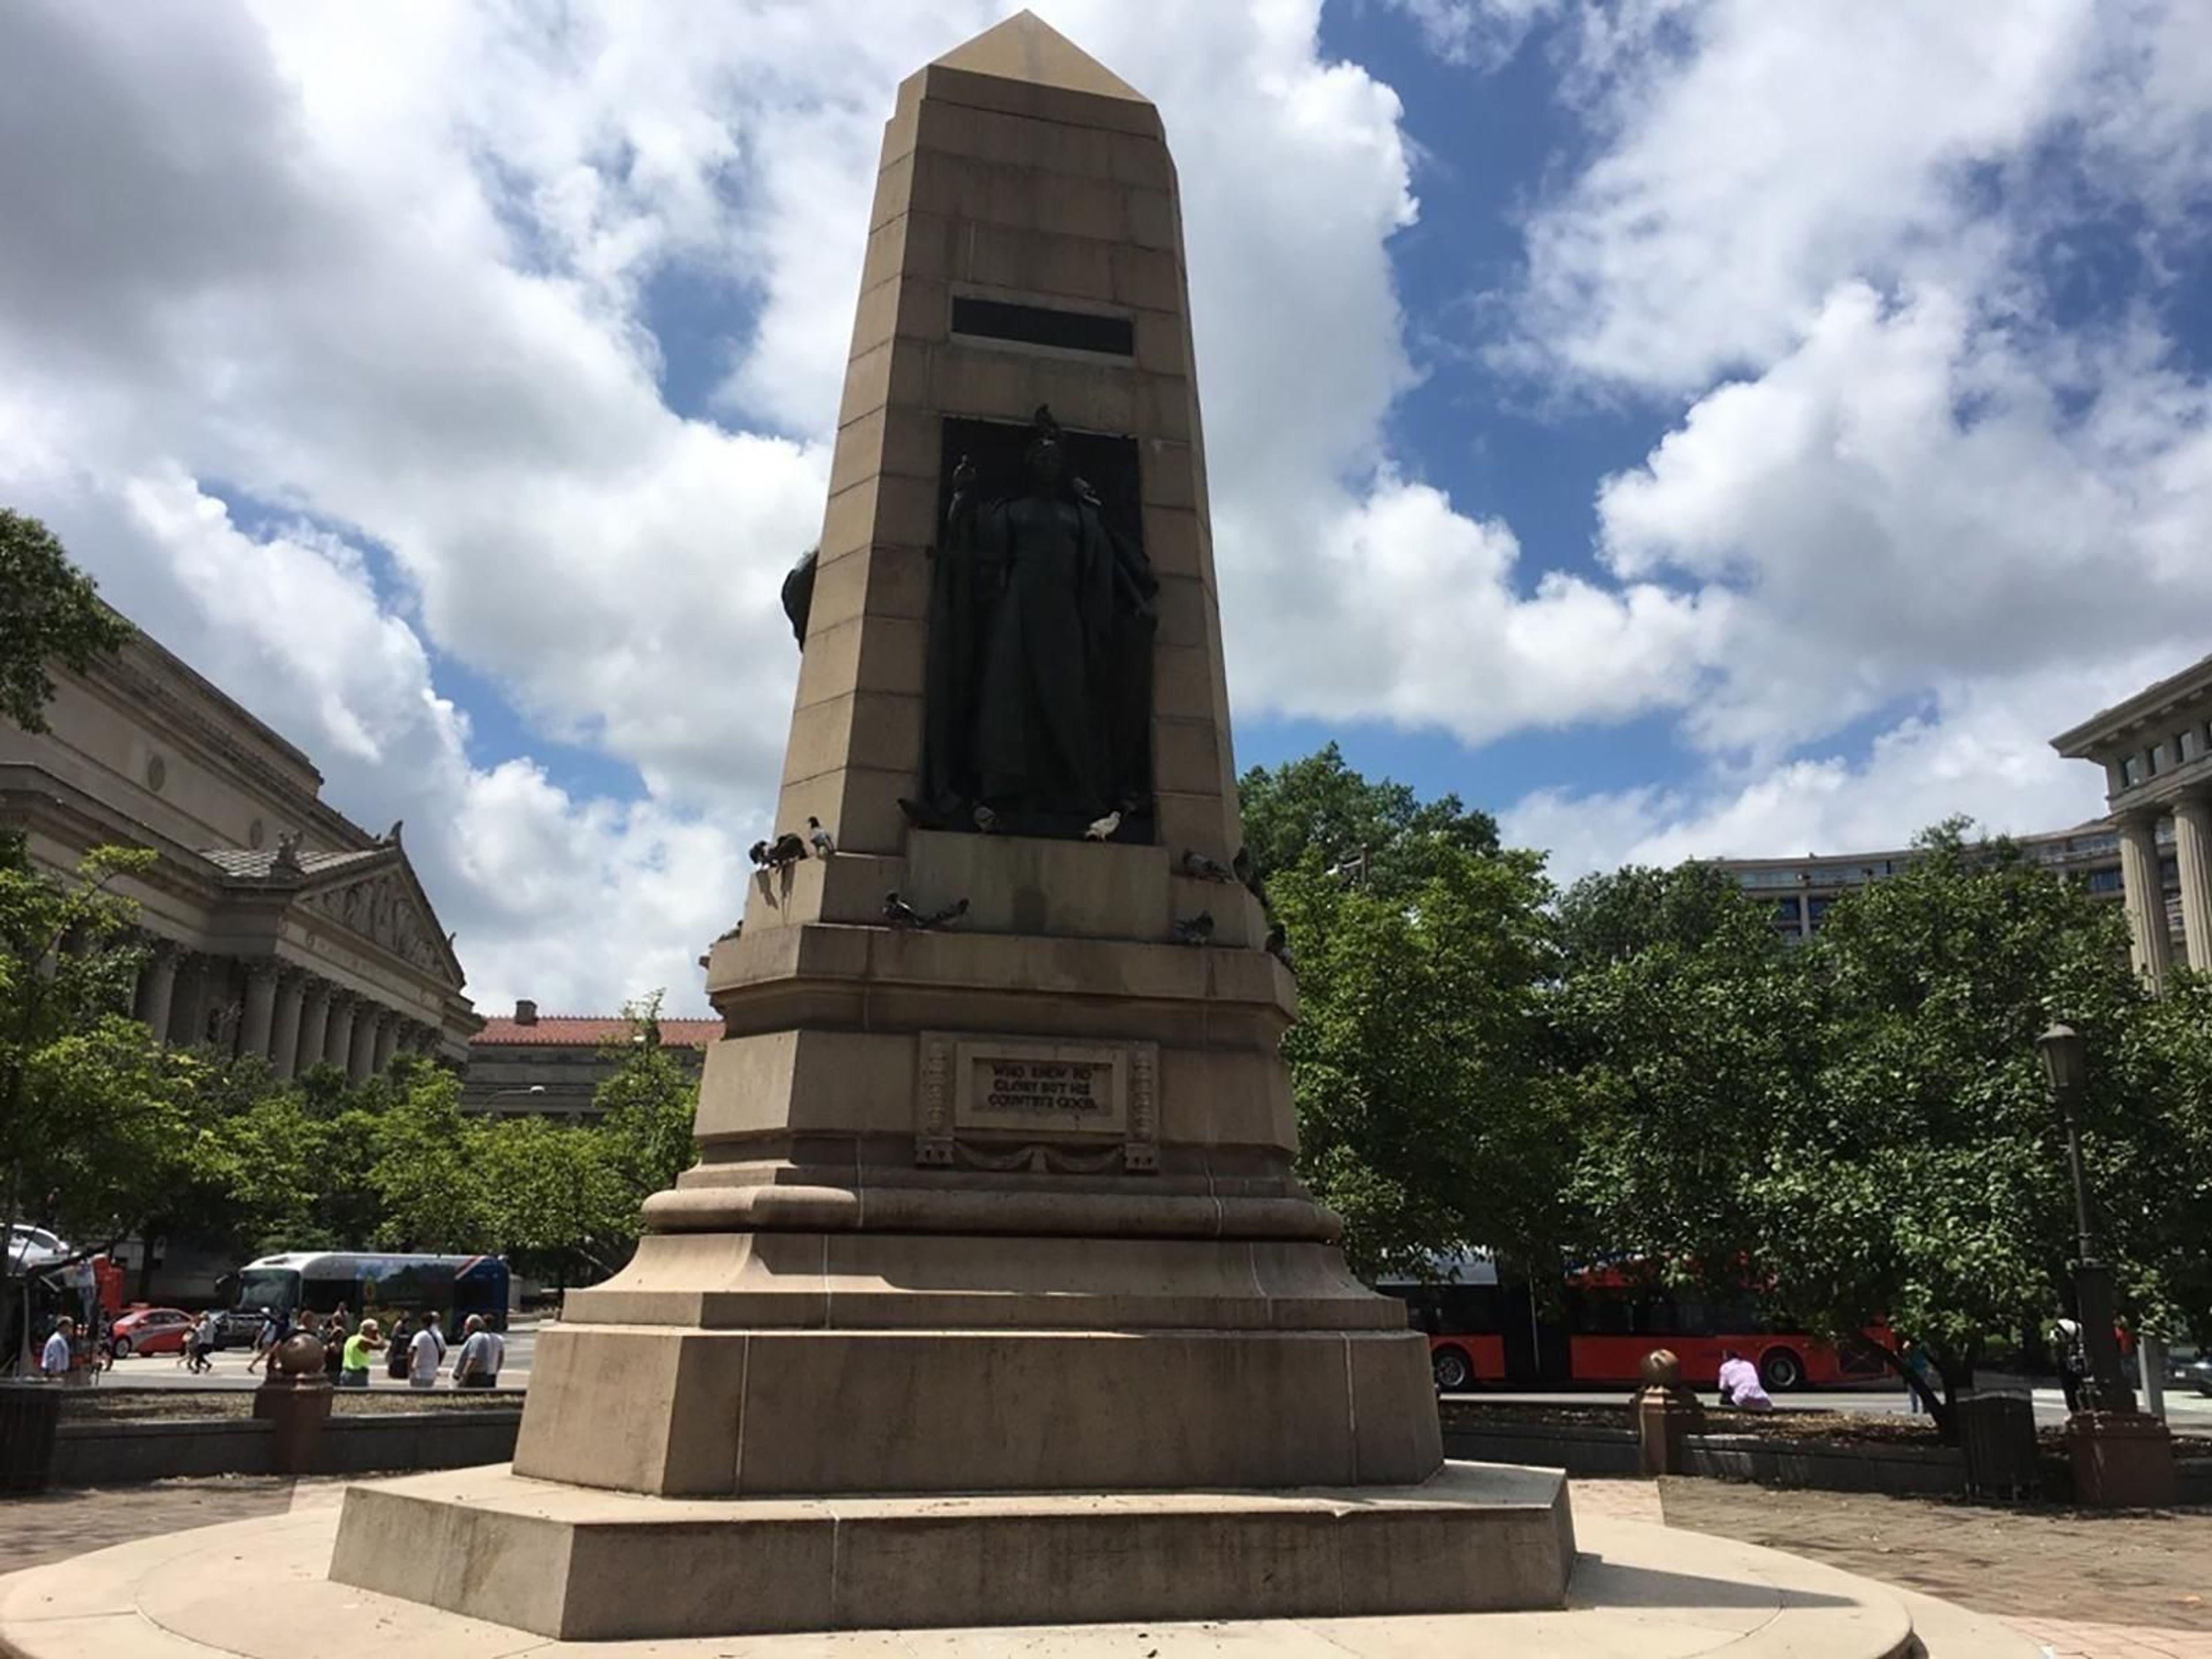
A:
[995,1195]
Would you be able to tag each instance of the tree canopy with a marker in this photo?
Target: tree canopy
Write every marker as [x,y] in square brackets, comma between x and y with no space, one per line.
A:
[54,614]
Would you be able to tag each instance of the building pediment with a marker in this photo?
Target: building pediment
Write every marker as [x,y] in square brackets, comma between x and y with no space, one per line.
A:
[371,892]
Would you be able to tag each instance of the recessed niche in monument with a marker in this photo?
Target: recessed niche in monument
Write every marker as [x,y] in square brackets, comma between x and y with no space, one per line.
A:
[1038,693]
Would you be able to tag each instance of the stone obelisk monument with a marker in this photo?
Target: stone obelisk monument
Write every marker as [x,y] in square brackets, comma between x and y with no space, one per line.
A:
[995,1196]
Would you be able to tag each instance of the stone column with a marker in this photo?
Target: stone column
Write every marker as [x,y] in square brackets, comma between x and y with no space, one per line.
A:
[387,1037]
[362,1053]
[157,989]
[314,1024]
[284,1044]
[2192,848]
[2145,897]
[260,1016]
[337,1040]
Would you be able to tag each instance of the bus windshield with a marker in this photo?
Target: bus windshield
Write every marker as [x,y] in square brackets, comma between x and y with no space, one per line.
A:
[276,1289]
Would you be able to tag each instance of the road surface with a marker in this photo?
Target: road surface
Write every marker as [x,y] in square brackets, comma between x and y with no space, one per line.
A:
[161,1370]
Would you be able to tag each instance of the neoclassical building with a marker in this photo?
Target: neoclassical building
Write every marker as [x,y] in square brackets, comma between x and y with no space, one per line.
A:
[279,927]
[2156,751]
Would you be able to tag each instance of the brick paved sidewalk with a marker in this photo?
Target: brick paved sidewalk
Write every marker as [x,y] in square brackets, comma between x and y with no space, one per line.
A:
[2130,1586]
[59,1524]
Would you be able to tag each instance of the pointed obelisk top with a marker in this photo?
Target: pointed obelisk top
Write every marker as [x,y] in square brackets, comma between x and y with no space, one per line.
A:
[1025,47]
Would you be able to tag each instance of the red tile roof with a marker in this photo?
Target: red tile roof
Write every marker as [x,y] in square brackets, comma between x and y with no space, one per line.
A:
[589,1031]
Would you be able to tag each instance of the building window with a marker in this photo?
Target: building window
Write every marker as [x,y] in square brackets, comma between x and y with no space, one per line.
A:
[2150,761]
[2184,747]
[2104,881]
[2131,772]
[1786,909]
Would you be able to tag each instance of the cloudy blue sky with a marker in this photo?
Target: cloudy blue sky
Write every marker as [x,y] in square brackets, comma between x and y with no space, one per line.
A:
[1679,426]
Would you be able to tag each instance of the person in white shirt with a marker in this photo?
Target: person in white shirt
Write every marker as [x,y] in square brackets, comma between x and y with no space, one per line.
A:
[54,1359]
[425,1354]
[482,1354]
[1738,1380]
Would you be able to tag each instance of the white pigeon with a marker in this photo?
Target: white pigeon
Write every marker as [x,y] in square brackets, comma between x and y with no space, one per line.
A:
[824,846]
[1103,829]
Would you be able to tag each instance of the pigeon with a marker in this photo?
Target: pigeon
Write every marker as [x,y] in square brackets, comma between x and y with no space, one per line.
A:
[900,914]
[824,846]
[787,851]
[1277,945]
[1104,828]
[1195,931]
[758,853]
[1196,864]
[985,819]
[1245,870]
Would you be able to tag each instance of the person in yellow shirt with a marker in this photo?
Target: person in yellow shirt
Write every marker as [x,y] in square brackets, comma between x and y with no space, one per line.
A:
[353,1369]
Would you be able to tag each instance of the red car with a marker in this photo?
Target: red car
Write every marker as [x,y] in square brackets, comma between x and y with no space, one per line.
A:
[151,1330]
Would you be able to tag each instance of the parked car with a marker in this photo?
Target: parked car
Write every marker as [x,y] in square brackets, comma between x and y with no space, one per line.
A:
[150,1330]
[2192,1370]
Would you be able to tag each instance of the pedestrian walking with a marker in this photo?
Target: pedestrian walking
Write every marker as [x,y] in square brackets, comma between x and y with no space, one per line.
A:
[426,1353]
[199,1346]
[275,1326]
[354,1362]
[55,1358]
[483,1350]
[395,1360]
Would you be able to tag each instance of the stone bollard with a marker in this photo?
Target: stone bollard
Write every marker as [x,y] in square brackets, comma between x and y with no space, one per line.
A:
[1666,1415]
[295,1397]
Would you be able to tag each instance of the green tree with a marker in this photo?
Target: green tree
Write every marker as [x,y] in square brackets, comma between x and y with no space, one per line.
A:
[646,1105]
[54,614]
[429,1184]
[557,1198]
[1425,1117]
[1682,1025]
[1860,1128]
[1922,1179]
[91,1108]
[1320,808]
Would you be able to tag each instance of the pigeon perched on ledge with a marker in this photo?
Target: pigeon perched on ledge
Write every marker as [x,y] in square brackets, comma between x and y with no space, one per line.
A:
[825,847]
[787,851]
[904,916]
[1197,930]
[758,853]
[1104,828]
[1195,863]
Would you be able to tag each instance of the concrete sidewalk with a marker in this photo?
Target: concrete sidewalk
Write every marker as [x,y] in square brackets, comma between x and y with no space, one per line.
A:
[2085,1586]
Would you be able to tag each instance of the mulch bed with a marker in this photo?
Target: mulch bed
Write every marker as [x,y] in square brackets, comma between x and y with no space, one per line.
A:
[113,1405]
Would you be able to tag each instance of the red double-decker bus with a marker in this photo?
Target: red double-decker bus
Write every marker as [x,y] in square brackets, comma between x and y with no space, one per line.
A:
[1480,1331]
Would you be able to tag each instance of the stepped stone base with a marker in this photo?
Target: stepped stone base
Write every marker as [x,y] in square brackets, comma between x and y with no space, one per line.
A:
[1639,1592]
[578,1564]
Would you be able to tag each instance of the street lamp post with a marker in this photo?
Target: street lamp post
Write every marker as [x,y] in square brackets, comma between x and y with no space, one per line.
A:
[2066,1066]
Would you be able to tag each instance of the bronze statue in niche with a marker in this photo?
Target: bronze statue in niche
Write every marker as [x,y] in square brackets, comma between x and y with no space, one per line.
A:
[1038,698]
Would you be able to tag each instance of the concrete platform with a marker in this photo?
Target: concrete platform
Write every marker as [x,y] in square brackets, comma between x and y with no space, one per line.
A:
[261,1588]
[574,1562]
